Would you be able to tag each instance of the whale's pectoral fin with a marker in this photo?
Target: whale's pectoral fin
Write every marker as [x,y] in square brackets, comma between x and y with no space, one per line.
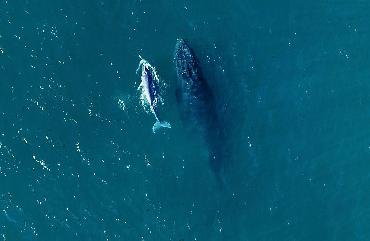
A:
[138,68]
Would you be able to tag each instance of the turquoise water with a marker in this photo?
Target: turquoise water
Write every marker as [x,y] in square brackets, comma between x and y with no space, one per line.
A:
[79,161]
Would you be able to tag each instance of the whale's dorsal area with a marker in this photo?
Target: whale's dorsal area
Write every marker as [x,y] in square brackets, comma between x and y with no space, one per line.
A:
[193,92]
[197,103]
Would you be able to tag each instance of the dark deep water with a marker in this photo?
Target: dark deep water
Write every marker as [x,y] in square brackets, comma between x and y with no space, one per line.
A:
[79,161]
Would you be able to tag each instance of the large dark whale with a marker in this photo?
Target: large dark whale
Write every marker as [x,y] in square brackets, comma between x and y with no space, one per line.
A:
[197,104]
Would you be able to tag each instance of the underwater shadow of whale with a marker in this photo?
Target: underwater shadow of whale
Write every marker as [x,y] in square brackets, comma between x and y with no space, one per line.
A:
[197,104]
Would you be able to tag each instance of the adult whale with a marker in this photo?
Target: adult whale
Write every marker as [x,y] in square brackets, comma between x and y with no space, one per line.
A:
[197,104]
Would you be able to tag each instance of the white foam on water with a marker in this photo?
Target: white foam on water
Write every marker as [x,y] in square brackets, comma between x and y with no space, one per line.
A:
[158,99]
[121,104]
[41,162]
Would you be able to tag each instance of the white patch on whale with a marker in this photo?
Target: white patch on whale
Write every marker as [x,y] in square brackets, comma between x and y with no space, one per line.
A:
[146,96]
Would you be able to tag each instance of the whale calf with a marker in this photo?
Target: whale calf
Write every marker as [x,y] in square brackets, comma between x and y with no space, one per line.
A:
[197,104]
[150,92]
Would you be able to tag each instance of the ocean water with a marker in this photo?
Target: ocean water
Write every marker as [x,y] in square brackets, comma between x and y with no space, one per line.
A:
[79,161]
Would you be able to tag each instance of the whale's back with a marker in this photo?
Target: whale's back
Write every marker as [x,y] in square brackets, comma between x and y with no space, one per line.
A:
[198,104]
[194,94]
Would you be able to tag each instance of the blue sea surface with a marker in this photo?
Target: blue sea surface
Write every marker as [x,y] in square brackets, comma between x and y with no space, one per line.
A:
[79,160]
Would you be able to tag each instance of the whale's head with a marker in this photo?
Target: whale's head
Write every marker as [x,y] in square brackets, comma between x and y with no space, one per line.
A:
[186,63]
[182,48]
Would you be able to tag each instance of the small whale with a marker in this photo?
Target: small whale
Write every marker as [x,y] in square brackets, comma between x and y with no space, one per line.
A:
[150,92]
[198,104]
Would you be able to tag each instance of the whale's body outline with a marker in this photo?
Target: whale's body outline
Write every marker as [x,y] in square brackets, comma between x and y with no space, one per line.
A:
[150,92]
[197,102]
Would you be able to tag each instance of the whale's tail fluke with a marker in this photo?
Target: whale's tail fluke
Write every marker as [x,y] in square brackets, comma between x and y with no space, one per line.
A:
[160,124]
